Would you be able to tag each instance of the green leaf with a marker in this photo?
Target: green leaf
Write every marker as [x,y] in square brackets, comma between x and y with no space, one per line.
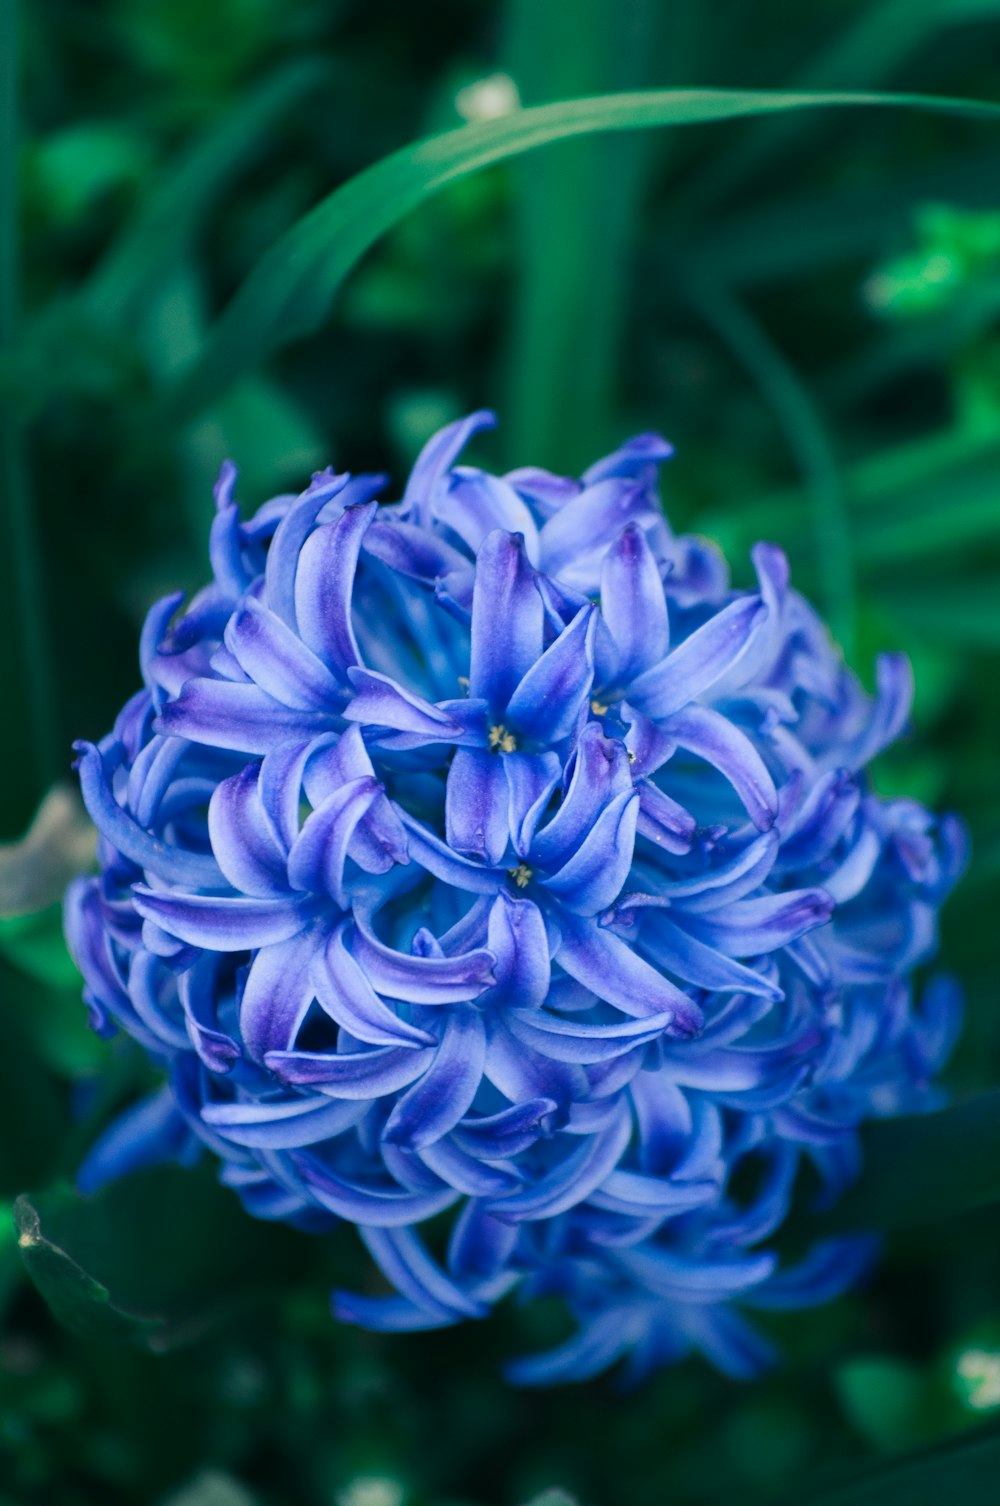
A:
[927,1168]
[965,1471]
[290,290]
[154,1259]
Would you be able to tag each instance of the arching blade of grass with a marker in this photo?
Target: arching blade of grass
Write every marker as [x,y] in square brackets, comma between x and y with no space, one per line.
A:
[290,291]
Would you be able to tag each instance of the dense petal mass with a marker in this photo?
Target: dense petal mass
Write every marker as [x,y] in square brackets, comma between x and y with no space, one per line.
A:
[482,857]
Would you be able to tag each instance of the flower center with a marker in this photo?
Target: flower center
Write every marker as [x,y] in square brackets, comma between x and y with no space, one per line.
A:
[502,741]
[521,875]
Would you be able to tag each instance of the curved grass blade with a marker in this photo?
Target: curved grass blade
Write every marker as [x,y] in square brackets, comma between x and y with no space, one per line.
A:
[290,290]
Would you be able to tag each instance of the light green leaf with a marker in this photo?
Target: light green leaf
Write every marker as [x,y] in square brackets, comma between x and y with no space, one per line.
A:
[290,291]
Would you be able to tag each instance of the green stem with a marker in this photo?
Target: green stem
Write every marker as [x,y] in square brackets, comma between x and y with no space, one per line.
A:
[804,432]
[576,212]
[27,686]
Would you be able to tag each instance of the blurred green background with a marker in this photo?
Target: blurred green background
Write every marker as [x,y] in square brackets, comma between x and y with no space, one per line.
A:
[809,307]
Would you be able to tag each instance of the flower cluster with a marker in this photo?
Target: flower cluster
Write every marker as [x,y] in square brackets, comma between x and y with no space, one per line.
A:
[486,855]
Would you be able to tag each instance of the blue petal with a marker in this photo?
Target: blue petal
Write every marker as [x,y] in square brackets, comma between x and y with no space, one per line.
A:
[149,852]
[446,1091]
[281,1124]
[612,970]
[710,736]
[531,779]
[494,1137]
[573,1179]
[224,925]
[380,702]
[475,503]
[147,1134]
[700,963]
[600,772]
[243,840]
[552,695]
[319,852]
[710,652]
[437,857]
[592,878]
[347,996]
[596,1346]
[289,536]
[634,1195]
[832,1267]
[351,1074]
[440,452]
[569,1041]
[480,1246]
[517,938]
[633,604]
[240,717]
[754,926]
[403,1260]
[365,1205]
[411,551]
[277,995]
[421,980]
[324,584]
[476,804]
[269,652]
[507,617]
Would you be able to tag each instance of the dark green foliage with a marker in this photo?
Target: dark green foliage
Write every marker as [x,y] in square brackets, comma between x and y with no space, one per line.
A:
[808,306]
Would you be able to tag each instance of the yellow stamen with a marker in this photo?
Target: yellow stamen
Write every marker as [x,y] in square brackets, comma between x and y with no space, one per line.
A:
[631,756]
[598,707]
[501,740]
[522,875]
[463,680]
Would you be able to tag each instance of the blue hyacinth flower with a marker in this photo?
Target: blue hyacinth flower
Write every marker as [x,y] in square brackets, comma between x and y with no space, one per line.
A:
[484,854]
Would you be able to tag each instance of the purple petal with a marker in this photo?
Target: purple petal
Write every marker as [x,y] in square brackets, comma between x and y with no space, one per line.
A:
[704,657]
[476,804]
[224,925]
[324,584]
[273,657]
[345,993]
[592,878]
[243,840]
[446,1091]
[172,864]
[712,737]
[277,995]
[421,980]
[612,970]
[569,1041]
[752,927]
[283,1124]
[600,772]
[351,1074]
[507,619]
[550,698]
[240,717]
[316,860]
[633,604]
[662,821]
[637,458]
